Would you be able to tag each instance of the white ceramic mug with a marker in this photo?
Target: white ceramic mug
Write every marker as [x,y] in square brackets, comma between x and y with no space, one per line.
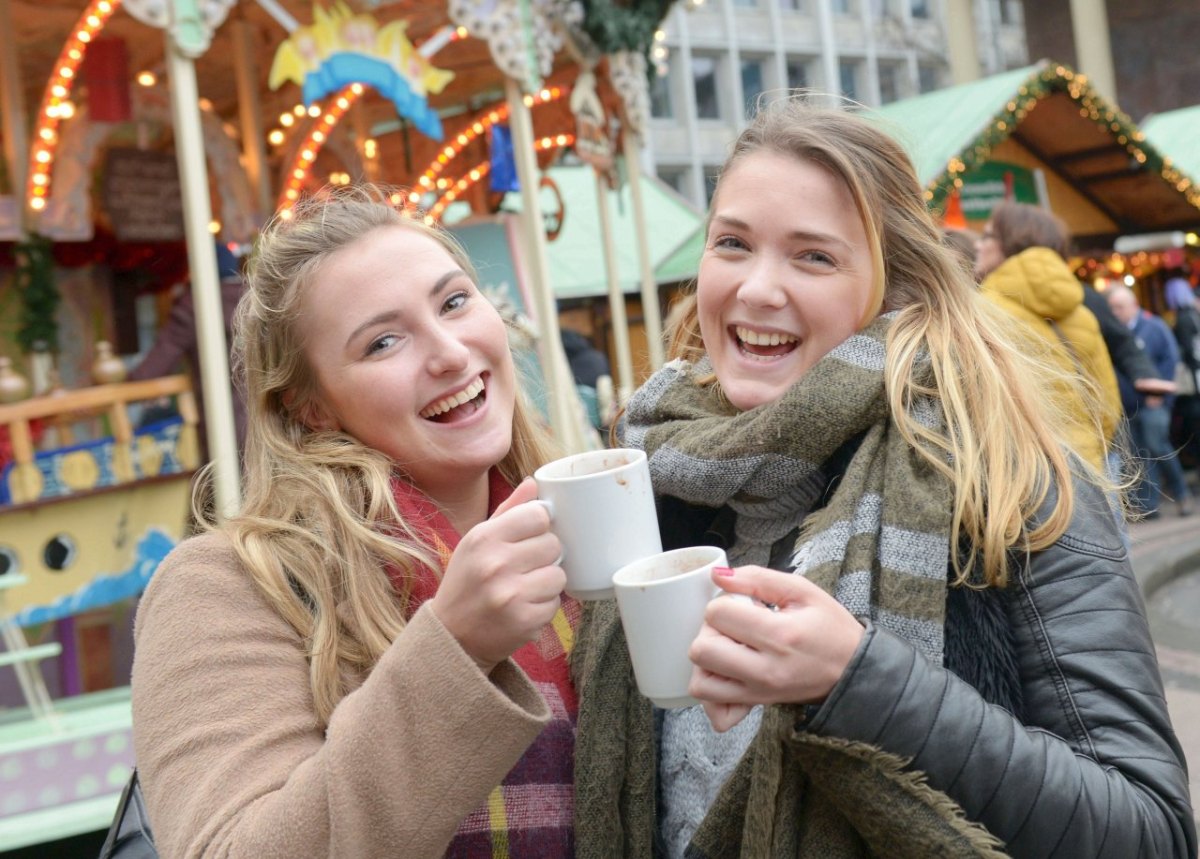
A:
[662,601]
[602,509]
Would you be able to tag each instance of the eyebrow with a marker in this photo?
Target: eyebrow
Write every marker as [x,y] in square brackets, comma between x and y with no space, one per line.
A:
[804,235]
[391,315]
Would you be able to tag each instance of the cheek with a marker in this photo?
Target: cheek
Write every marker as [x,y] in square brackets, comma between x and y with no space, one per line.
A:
[708,307]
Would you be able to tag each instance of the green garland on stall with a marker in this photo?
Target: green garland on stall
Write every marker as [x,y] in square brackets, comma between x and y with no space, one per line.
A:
[1056,78]
[623,25]
[39,295]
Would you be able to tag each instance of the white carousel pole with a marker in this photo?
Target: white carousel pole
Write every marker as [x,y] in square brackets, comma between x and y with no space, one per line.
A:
[250,116]
[558,381]
[616,298]
[12,109]
[187,39]
[651,312]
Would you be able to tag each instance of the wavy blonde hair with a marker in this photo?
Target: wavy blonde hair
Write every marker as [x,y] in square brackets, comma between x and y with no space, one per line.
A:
[319,524]
[1001,445]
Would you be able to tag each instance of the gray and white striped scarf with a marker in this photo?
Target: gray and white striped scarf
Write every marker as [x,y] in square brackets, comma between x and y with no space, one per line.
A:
[880,545]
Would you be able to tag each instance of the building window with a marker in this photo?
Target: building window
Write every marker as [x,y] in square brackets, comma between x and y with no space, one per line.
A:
[752,85]
[919,8]
[1006,12]
[661,106]
[797,74]
[704,79]
[889,83]
[746,4]
[711,174]
[848,79]
[843,7]
[929,78]
[676,177]
[791,5]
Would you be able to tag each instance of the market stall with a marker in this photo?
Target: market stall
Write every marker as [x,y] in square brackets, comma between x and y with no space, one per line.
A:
[157,127]
[1041,134]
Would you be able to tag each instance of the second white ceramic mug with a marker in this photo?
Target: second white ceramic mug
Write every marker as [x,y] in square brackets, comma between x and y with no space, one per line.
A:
[662,600]
[602,509]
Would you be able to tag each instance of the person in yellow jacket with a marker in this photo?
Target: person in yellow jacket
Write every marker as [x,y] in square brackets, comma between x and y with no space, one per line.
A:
[1019,258]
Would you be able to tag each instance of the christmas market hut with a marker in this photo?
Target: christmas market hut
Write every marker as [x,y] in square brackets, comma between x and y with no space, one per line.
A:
[1041,134]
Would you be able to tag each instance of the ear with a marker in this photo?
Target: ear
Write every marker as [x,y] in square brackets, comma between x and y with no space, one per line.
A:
[311,412]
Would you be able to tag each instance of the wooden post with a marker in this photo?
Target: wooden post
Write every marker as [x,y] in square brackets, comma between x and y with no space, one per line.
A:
[560,387]
[651,312]
[12,110]
[616,299]
[206,290]
[250,116]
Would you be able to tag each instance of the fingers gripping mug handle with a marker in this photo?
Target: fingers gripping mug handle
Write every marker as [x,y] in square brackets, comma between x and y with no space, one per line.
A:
[549,506]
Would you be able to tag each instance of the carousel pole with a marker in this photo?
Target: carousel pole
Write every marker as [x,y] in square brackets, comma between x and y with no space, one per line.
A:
[616,298]
[651,312]
[187,39]
[558,379]
[12,106]
[250,115]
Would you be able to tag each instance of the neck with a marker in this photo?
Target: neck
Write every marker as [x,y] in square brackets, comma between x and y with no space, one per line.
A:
[464,503]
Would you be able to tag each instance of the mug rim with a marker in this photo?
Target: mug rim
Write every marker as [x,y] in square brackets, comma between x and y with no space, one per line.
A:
[639,456]
[717,551]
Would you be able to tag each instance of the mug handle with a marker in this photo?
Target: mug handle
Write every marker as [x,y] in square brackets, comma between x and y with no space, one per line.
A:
[549,505]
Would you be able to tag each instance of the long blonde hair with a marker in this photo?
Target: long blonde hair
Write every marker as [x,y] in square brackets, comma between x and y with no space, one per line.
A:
[318,523]
[1001,445]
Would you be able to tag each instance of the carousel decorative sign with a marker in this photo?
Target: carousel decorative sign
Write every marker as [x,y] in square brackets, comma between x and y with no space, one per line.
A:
[342,48]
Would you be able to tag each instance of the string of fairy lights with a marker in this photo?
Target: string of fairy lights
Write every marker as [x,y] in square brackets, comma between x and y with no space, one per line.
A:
[439,190]
[56,105]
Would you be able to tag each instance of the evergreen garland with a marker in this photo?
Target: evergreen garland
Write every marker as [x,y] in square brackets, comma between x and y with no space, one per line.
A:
[1050,79]
[39,295]
[623,25]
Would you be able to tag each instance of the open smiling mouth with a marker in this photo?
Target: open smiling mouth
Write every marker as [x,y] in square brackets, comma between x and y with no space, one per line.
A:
[459,406]
[763,345]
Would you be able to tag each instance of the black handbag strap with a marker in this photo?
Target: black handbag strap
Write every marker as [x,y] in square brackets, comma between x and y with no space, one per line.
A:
[129,836]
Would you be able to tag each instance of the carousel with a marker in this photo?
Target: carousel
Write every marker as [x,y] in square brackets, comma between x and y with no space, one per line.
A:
[139,133]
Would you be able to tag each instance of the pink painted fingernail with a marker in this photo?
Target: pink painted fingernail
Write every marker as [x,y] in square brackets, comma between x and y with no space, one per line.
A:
[723,571]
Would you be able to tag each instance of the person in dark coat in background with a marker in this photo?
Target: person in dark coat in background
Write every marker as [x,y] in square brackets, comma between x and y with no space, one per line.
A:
[177,341]
[587,362]
[1150,415]
[1129,359]
[1181,299]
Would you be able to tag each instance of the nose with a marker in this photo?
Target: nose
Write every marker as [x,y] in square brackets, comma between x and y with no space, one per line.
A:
[447,353]
[763,285]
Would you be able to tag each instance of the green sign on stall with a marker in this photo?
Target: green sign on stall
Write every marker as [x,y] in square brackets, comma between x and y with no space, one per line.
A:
[990,184]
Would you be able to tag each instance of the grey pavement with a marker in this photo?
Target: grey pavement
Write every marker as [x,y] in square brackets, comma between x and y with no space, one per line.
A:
[1166,561]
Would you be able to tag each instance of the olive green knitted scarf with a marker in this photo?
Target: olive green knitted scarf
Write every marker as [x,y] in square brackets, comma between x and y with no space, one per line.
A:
[880,545]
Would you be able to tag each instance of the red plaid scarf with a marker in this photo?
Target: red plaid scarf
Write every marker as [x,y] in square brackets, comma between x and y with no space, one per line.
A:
[530,813]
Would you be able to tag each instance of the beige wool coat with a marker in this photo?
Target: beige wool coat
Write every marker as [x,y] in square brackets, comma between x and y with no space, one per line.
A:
[234,762]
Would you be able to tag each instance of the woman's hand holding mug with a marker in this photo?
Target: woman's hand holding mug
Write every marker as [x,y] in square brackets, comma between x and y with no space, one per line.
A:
[747,654]
[503,582]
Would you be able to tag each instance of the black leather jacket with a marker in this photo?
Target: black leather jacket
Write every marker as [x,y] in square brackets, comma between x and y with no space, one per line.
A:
[1093,768]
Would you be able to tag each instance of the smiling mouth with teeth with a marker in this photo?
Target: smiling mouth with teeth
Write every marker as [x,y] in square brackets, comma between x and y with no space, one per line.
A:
[762,344]
[464,403]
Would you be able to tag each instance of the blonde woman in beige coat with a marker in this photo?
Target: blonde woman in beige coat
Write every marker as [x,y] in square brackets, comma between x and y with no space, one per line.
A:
[344,667]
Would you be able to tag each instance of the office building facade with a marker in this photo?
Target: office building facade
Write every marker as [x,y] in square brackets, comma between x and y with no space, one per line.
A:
[721,55]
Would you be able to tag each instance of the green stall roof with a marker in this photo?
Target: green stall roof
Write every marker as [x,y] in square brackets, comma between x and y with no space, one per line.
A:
[1054,114]
[1176,134]
[576,257]
[940,125]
